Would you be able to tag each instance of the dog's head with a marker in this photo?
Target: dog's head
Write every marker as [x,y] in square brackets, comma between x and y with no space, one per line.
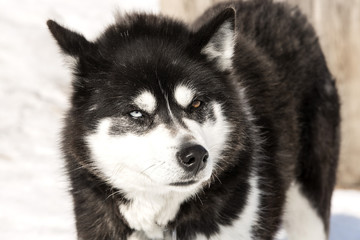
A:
[152,101]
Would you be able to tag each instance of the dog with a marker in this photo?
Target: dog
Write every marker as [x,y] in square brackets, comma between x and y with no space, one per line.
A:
[227,128]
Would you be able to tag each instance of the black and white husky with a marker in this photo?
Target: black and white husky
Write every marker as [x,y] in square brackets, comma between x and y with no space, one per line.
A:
[224,129]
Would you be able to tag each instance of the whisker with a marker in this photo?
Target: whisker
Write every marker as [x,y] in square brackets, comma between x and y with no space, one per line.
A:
[158,165]
[215,175]
[117,170]
[143,171]
[76,169]
[197,195]
[112,194]
[217,165]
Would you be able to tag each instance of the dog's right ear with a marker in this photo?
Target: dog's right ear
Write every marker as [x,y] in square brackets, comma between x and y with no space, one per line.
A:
[70,42]
[216,39]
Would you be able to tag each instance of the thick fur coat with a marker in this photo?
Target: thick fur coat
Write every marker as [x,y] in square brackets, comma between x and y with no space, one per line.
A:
[247,81]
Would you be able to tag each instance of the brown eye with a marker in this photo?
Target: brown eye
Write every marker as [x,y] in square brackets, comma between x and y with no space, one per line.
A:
[196,104]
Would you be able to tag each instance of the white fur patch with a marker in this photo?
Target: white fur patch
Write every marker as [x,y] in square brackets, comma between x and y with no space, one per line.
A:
[301,221]
[241,228]
[150,213]
[221,46]
[184,95]
[146,101]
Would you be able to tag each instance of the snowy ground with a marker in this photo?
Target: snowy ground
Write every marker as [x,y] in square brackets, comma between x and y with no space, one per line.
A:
[34,85]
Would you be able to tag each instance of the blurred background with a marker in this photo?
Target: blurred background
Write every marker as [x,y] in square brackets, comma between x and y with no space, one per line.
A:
[35,86]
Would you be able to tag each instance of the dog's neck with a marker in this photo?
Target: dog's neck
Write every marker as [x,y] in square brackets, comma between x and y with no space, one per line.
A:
[150,213]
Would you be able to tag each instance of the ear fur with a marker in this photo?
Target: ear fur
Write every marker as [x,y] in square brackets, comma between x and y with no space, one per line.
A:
[70,42]
[216,39]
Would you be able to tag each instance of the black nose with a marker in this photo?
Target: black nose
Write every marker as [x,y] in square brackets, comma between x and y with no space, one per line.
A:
[193,158]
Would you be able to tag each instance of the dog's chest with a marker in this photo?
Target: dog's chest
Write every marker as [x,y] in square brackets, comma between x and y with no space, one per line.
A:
[151,213]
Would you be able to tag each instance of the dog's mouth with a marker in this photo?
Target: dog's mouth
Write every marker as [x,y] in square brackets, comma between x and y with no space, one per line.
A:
[185,183]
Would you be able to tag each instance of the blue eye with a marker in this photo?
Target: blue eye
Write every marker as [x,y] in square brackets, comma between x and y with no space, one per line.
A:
[136,114]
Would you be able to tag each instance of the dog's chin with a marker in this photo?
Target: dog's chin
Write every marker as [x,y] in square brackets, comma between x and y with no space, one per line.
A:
[189,184]
[182,184]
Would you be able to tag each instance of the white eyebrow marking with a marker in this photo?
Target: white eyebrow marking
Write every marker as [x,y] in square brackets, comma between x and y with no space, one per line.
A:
[184,95]
[146,101]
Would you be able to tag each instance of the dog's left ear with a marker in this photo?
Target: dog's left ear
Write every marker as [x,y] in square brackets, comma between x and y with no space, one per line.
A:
[70,42]
[216,39]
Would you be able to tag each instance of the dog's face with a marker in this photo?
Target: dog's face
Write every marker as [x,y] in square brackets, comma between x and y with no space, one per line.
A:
[159,138]
[153,100]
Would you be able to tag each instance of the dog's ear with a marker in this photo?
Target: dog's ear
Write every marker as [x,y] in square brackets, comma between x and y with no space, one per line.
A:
[216,39]
[70,42]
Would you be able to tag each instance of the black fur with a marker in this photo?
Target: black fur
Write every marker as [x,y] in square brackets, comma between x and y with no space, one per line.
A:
[278,60]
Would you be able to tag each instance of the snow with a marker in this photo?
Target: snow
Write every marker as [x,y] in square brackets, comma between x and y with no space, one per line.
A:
[34,87]
[345,219]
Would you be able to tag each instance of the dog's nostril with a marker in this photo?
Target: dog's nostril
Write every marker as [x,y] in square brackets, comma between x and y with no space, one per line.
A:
[190,160]
[206,156]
